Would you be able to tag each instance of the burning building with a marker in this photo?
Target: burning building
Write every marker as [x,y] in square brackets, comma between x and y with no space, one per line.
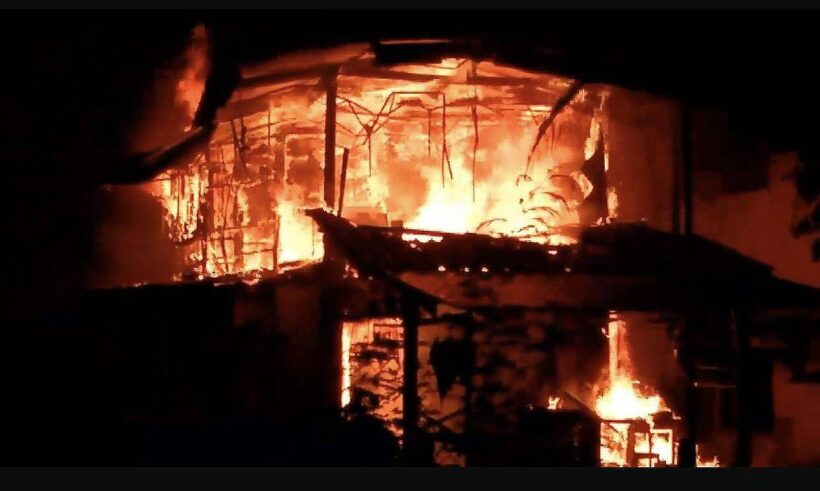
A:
[452,146]
[481,187]
[495,262]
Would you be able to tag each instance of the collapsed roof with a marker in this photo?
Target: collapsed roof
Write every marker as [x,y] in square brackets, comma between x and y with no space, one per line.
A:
[614,266]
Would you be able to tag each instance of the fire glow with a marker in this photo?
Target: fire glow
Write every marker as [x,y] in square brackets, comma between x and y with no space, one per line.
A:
[446,150]
[438,152]
[624,405]
[378,374]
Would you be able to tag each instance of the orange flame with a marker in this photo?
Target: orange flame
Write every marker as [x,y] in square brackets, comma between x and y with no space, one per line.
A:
[434,156]
[622,402]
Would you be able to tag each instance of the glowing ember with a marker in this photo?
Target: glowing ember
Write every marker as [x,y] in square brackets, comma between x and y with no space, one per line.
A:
[553,403]
[421,238]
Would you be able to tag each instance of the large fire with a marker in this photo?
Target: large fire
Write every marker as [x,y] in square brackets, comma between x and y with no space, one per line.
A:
[630,433]
[443,147]
[623,406]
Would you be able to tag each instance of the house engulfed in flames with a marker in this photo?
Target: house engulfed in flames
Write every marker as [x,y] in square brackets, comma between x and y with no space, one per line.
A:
[446,146]
[431,143]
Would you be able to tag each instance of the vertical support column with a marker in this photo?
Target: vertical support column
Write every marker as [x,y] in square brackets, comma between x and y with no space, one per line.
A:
[410,399]
[330,140]
[330,329]
[631,459]
[469,390]
[330,346]
[343,182]
[688,445]
[331,257]
[743,445]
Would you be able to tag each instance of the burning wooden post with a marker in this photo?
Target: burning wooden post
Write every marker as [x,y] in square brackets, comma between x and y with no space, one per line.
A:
[343,181]
[331,89]
[743,445]
[330,139]
[688,445]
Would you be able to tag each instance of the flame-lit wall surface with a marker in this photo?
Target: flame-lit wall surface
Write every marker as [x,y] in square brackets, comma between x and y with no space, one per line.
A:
[758,222]
[747,198]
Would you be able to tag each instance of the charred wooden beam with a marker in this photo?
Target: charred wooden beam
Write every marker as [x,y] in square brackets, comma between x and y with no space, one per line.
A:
[688,445]
[330,345]
[743,444]
[380,73]
[410,398]
[343,181]
[642,269]
[486,81]
[285,76]
[144,166]
[330,139]
[559,106]
[221,83]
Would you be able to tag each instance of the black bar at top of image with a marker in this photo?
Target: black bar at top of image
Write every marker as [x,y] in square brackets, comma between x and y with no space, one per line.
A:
[417,4]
